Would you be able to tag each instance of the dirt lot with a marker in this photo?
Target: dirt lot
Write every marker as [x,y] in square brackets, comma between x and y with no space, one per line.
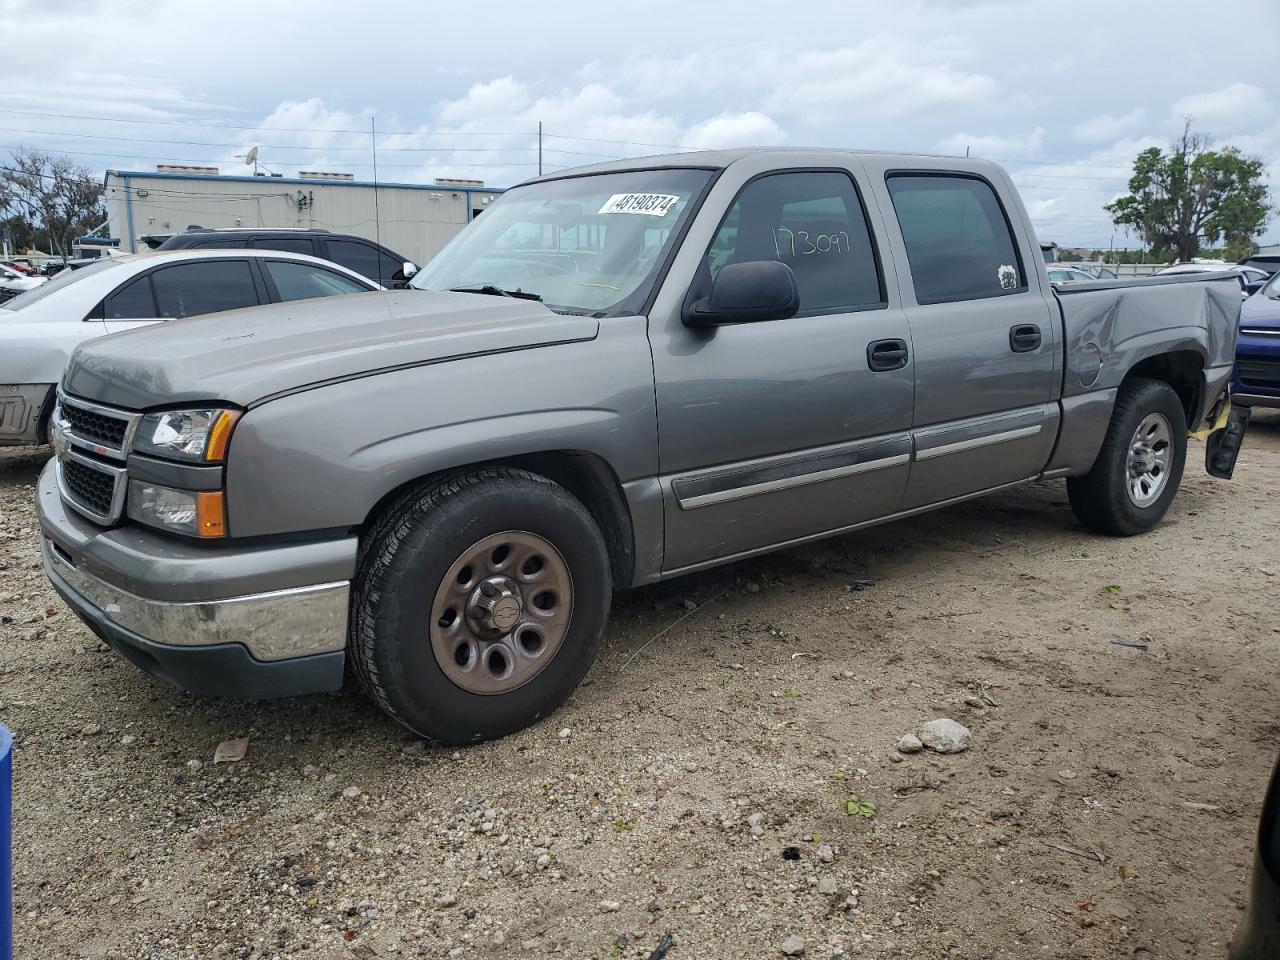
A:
[781,694]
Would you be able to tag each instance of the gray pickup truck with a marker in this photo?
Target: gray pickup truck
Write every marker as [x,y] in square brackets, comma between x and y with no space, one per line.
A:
[618,374]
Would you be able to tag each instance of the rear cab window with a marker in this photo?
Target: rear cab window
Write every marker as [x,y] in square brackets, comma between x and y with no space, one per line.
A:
[959,243]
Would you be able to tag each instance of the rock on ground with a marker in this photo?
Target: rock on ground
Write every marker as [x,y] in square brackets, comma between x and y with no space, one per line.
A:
[945,736]
[793,946]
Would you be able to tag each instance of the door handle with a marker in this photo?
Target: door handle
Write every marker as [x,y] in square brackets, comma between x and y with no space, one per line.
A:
[1024,338]
[885,355]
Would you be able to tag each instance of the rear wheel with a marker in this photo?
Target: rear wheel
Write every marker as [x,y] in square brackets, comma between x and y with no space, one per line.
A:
[1138,470]
[479,605]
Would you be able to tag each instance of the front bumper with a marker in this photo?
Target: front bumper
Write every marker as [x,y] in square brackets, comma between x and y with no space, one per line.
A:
[1252,398]
[1256,381]
[244,622]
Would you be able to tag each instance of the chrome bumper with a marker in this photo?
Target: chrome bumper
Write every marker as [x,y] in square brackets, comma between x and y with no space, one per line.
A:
[277,625]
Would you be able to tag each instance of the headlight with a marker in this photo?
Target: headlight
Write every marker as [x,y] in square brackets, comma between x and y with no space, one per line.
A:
[201,514]
[197,436]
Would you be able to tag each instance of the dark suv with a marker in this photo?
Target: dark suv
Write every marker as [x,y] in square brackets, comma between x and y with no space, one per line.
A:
[365,257]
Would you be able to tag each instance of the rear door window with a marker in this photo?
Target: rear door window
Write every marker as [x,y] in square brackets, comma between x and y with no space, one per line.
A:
[813,222]
[204,286]
[959,243]
[301,281]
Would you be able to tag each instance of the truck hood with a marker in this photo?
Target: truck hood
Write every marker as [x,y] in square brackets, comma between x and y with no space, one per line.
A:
[246,356]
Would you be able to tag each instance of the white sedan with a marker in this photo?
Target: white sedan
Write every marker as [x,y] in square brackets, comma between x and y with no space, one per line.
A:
[39,329]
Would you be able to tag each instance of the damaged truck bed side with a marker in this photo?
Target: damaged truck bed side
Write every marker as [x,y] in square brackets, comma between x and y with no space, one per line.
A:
[618,374]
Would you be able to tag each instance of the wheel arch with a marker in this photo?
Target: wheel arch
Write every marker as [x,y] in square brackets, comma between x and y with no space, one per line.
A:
[586,475]
[1181,369]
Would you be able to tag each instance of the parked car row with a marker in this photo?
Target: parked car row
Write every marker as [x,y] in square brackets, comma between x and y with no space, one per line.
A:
[40,329]
[365,257]
[1250,278]
[13,283]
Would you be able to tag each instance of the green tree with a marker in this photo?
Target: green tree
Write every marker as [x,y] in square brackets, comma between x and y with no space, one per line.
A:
[55,199]
[1194,196]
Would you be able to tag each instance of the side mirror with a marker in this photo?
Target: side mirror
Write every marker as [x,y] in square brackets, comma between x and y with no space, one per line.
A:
[409,269]
[750,292]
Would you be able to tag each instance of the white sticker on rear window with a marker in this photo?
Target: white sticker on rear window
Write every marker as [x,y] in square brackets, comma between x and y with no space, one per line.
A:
[649,204]
[1007,274]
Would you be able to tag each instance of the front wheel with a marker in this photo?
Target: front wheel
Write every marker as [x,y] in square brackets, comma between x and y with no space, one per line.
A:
[479,605]
[1138,470]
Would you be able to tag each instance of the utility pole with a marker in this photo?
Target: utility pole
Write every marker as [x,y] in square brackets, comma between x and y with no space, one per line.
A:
[539,148]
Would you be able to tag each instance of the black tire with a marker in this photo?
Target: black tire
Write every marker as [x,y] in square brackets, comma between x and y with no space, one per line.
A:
[404,559]
[1100,498]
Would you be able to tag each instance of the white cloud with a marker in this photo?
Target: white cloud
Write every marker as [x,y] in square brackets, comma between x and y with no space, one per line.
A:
[1232,105]
[882,77]
[501,97]
[733,130]
[1046,209]
[994,146]
[1065,199]
[1107,126]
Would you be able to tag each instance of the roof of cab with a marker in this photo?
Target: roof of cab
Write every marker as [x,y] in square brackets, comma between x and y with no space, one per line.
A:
[718,159]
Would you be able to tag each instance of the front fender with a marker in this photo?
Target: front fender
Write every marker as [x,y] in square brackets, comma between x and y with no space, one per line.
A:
[324,458]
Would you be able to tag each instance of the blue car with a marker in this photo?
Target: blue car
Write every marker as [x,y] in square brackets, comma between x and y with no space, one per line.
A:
[1257,377]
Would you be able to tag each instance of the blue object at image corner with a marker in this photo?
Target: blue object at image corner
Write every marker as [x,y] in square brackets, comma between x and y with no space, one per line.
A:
[6,843]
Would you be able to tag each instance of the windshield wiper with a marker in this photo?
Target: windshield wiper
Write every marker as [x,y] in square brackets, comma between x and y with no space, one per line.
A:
[494,291]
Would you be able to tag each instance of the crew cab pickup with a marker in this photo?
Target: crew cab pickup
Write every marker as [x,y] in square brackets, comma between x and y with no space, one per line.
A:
[617,375]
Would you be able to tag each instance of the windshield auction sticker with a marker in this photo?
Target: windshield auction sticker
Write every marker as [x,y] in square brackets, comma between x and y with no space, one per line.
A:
[649,204]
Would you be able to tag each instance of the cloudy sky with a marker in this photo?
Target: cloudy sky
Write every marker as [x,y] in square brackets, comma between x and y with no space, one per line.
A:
[1065,94]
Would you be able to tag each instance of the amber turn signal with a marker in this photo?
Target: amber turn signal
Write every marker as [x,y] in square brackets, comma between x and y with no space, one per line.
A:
[211,514]
[220,435]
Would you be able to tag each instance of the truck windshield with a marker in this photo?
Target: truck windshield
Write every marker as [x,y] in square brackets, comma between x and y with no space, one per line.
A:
[591,244]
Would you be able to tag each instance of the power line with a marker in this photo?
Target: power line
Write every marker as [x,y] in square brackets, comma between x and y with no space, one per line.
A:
[232,126]
[189,160]
[280,146]
[1046,163]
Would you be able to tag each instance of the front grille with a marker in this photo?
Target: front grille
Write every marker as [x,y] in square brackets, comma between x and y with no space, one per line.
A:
[92,442]
[1261,373]
[96,427]
[93,488]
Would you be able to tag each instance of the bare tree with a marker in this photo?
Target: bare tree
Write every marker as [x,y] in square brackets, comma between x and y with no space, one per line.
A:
[56,198]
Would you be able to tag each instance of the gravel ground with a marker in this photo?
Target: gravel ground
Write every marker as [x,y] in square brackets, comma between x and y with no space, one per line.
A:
[700,781]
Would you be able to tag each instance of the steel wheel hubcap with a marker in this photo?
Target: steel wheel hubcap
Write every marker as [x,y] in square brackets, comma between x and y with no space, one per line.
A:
[1149,459]
[501,612]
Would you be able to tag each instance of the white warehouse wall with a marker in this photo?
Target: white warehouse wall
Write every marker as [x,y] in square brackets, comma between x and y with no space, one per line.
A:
[415,220]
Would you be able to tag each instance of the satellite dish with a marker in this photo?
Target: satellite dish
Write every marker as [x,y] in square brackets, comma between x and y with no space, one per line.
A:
[251,157]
